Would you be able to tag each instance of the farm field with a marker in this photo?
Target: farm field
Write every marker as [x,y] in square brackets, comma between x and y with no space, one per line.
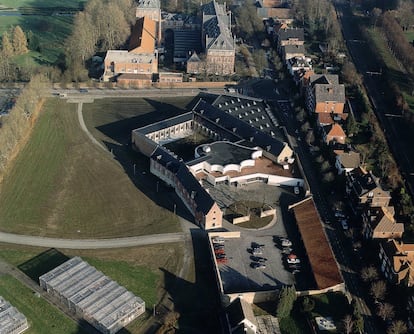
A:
[140,270]
[62,185]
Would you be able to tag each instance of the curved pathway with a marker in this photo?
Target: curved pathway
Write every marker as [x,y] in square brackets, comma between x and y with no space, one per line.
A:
[91,243]
[85,129]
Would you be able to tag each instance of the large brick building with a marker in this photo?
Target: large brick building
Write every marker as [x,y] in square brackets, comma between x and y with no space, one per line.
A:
[217,41]
[140,58]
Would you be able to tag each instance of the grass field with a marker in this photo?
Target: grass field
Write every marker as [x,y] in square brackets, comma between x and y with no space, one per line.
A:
[62,185]
[40,3]
[394,70]
[139,269]
[41,316]
[51,31]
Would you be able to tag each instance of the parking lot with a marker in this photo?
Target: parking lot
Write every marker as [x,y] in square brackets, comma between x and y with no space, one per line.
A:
[245,270]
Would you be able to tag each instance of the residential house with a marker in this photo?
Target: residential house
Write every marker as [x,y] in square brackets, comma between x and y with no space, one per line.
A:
[291,51]
[141,56]
[397,261]
[240,317]
[379,223]
[290,36]
[326,97]
[333,134]
[347,160]
[364,190]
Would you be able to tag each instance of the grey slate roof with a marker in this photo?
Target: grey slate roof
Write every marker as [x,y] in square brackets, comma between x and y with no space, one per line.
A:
[165,123]
[203,200]
[294,49]
[292,33]
[186,41]
[329,92]
[149,4]
[250,110]
[324,79]
[238,128]
[216,25]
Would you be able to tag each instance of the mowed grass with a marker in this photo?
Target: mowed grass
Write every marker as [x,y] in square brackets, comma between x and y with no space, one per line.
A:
[112,120]
[41,316]
[138,269]
[61,184]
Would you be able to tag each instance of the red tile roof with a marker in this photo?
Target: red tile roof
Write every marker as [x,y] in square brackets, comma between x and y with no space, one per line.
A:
[322,260]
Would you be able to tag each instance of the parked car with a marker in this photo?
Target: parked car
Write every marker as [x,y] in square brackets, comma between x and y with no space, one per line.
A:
[218,240]
[292,259]
[83,90]
[257,251]
[286,242]
[259,259]
[287,250]
[218,246]
[219,251]
[222,261]
[256,265]
[220,256]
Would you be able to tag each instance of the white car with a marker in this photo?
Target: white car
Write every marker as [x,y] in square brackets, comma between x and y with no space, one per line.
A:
[294,260]
[286,242]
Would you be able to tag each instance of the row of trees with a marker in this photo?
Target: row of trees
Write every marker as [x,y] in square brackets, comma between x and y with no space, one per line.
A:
[19,121]
[397,42]
[103,25]
[14,43]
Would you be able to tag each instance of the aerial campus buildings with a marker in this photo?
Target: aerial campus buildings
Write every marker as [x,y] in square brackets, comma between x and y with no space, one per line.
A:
[11,320]
[90,294]
[241,152]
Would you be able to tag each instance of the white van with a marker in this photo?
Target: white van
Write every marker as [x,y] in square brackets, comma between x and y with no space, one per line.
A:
[61,95]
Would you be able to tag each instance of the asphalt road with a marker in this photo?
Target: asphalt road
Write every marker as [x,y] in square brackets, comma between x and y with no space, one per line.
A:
[91,243]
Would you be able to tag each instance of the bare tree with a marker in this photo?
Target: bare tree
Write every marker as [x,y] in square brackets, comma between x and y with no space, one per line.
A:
[385,311]
[6,45]
[19,41]
[348,324]
[397,327]
[378,290]
[369,274]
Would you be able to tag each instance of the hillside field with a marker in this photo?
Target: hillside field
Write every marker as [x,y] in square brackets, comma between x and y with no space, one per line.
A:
[62,185]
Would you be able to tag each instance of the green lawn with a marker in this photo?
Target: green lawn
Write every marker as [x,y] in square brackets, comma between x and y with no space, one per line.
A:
[40,3]
[42,317]
[61,184]
[51,31]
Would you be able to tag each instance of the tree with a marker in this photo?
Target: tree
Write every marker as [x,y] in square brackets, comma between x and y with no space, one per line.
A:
[375,14]
[358,318]
[19,41]
[6,45]
[369,274]
[287,298]
[308,304]
[397,327]
[348,324]
[385,311]
[378,290]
